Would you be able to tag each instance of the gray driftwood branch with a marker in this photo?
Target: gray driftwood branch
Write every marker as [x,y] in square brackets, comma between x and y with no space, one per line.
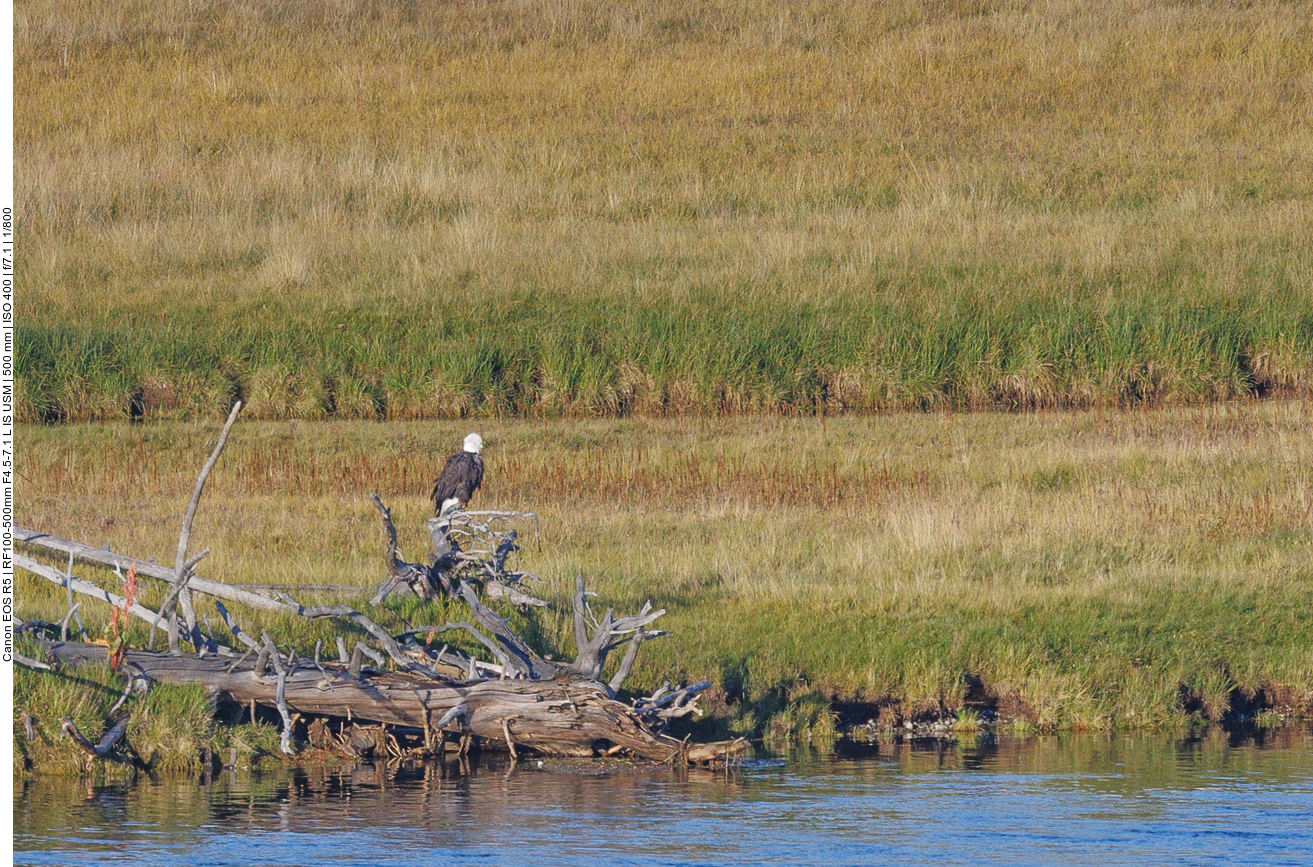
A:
[102,747]
[145,568]
[610,633]
[179,594]
[86,588]
[400,572]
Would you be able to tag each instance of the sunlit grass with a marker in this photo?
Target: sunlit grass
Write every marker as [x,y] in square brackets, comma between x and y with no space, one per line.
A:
[401,210]
[171,726]
[1093,570]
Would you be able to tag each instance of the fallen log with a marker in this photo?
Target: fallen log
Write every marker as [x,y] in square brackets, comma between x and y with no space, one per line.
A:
[569,716]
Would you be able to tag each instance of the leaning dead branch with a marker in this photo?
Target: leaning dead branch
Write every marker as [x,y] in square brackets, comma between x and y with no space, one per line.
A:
[107,741]
[178,594]
[226,592]
[280,694]
[627,664]
[72,607]
[86,588]
[234,628]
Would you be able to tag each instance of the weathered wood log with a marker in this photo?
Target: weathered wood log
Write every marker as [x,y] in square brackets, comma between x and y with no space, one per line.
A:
[570,716]
[226,592]
[531,706]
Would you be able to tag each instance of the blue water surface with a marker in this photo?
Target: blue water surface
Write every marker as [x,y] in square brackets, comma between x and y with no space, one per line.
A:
[1090,800]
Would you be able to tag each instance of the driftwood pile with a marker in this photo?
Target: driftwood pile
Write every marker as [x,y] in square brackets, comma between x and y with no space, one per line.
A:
[438,700]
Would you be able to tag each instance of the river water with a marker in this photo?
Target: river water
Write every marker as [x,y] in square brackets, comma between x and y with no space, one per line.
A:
[1219,799]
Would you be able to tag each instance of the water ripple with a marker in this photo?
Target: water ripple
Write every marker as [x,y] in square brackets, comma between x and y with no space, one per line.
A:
[1067,801]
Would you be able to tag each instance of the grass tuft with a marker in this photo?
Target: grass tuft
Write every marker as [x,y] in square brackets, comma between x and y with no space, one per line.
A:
[171,726]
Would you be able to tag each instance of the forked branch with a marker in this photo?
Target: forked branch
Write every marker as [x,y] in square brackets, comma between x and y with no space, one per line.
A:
[609,634]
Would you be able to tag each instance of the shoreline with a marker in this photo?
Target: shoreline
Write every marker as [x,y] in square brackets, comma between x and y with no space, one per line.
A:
[213,732]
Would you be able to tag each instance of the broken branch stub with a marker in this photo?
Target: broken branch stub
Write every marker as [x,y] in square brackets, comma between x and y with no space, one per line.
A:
[609,634]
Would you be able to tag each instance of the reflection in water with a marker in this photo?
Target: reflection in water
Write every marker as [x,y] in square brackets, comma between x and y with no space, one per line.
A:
[1074,800]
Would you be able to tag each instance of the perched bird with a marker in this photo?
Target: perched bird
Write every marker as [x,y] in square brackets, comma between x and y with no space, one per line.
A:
[460,478]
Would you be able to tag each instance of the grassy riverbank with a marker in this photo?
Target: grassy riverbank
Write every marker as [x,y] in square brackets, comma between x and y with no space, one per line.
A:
[1073,570]
[397,210]
[171,729]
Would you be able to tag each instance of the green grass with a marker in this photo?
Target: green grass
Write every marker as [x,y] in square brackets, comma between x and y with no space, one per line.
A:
[806,718]
[172,726]
[1087,570]
[546,354]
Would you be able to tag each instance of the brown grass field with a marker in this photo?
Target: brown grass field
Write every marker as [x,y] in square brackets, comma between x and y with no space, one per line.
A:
[395,209]
[1086,570]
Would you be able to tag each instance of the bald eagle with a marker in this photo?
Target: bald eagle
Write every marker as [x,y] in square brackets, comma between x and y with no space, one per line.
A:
[460,478]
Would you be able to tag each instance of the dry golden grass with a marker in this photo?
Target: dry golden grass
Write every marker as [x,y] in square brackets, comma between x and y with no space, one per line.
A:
[284,168]
[1091,569]
[279,147]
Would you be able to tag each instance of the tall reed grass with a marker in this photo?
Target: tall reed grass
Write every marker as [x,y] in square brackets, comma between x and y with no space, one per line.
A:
[402,210]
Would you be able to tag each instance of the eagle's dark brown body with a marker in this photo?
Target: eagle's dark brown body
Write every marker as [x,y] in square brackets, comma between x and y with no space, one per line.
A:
[459,479]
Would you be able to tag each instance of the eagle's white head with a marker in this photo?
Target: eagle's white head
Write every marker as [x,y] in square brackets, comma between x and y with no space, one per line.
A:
[473,443]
